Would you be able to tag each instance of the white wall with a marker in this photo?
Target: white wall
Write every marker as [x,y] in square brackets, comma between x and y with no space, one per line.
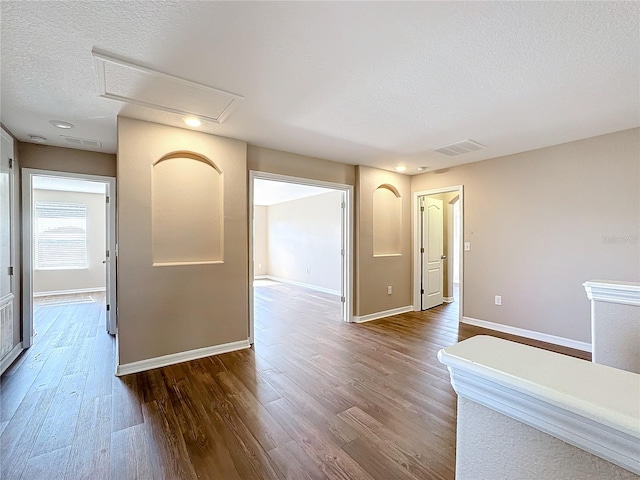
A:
[92,277]
[260,243]
[304,240]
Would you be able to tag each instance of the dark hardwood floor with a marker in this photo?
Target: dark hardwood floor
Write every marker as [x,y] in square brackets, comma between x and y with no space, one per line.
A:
[315,399]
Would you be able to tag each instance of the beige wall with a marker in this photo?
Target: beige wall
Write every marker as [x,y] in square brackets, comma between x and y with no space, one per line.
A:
[374,274]
[60,159]
[171,309]
[260,240]
[283,163]
[305,247]
[540,223]
[87,278]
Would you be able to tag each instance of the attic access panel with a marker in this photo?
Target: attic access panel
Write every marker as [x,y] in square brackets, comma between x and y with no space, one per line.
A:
[127,82]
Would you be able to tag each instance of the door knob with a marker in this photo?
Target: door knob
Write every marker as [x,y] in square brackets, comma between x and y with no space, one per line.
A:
[443,257]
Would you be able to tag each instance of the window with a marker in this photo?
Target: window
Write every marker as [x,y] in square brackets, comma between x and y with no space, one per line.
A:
[60,236]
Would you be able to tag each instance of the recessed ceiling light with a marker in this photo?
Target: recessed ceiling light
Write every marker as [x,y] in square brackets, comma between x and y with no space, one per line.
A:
[423,169]
[61,124]
[37,138]
[400,168]
[192,122]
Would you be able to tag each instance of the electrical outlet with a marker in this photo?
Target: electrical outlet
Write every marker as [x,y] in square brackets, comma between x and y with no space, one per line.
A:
[389,290]
[467,246]
[498,300]
[308,271]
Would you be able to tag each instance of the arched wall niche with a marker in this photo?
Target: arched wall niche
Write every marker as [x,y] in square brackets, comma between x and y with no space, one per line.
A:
[387,221]
[187,210]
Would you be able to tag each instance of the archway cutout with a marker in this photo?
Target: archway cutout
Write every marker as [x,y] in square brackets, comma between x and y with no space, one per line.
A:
[187,204]
[387,221]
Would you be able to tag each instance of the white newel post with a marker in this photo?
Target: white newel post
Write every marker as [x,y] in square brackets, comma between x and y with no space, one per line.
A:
[615,323]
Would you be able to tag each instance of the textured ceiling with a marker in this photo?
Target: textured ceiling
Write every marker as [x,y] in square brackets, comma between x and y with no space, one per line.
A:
[377,84]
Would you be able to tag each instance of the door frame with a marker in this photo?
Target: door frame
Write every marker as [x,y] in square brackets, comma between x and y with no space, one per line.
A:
[415,207]
[27,245]
[347,238]
[14,248]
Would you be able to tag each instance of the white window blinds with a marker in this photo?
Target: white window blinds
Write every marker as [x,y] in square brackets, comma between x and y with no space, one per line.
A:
[60,235]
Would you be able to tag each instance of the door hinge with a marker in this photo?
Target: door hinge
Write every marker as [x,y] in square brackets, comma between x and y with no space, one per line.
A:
[10,270]
[342,252]
[421,249]
[11,163]
[107,199]
[343,205]
[422,209]
[107,253]
[343,299]
[108,307]
[422,291]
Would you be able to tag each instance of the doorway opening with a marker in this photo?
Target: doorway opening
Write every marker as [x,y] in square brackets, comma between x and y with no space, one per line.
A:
[438,241]
[69,254]
[300,238]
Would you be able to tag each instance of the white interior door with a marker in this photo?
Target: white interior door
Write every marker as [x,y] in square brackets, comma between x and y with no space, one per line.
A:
[431,248]
[9,308]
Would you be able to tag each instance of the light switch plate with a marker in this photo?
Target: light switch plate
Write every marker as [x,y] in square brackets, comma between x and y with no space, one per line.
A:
[467,246]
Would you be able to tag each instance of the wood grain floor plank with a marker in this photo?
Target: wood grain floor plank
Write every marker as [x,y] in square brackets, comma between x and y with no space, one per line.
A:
[59,427]
[90,452]
[329,457]
[315,398]
[127,410]
[20,434]
[295,464]
[131,455]
[165,435]
[253,414]
[49,465]
[406,455]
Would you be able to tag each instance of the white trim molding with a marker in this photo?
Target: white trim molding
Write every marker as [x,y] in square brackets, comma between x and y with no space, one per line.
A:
[548,391]
[299,284]
[533,335]
[10,357]
[448,299]
[172,359]
[69,292]
[626,293]
[383,314]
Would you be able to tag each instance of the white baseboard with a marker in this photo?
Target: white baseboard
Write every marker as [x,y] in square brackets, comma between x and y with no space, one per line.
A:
[300,284]
[386,313]
[10,357]
[521,332]
[69,292]
[448,299]
[165,360]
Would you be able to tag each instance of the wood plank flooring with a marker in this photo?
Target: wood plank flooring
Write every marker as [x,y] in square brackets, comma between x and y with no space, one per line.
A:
[315,399]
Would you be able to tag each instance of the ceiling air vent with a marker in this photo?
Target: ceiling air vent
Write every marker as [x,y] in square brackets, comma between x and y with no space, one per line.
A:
[459,148]
[82,142]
